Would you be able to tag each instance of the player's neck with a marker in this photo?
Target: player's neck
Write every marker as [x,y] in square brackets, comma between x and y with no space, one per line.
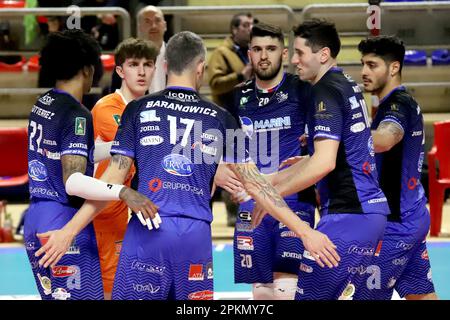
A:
[391,85]
[174,80]
[323,70]
[130,95]
[269,84]
[74,87]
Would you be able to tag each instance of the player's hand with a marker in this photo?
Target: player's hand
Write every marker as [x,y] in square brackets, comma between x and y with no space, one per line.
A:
[321,248]
[290,161]
[258,215]
[146,210]
[228,180]
[55,245]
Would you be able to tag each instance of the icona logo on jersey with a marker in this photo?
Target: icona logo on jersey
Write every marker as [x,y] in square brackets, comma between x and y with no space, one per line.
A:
[178,165]
[116,118]
[201,295]
[37,171]
[196,272]
[80,126]
[63,271]
[425,255]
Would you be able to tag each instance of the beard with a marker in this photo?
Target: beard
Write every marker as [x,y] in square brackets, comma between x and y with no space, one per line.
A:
[377,84]
[269,73]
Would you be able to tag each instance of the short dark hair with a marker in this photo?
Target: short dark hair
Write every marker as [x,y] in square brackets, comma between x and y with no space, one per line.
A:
[135,48]
[67,52]
[182,51]
[388,48]
[319,34]
[236,19]
[262,29]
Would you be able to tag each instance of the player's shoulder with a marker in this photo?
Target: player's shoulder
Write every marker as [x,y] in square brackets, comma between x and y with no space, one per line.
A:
[69,106]
[402,98]
[112,102]
[245,87]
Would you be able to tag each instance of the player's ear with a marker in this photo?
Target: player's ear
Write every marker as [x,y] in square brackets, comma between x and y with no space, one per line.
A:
[325,54]
[119,71]
[88,71]
[394,68]
[285,53]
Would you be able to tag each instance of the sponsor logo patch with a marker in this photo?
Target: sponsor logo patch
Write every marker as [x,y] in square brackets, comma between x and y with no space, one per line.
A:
[177,165]
[201,295]
[80,126]
[196,272]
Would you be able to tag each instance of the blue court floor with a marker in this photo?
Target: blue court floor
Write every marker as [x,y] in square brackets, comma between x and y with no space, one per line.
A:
[16,278]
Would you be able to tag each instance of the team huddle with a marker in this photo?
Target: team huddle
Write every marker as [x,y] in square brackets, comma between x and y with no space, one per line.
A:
[288,145]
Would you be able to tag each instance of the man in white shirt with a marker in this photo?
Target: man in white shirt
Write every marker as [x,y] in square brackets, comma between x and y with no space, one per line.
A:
[152,26]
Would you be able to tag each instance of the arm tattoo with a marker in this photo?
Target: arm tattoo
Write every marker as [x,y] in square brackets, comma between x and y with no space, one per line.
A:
[393,129]
[250,174]
[72,164]
[123,162]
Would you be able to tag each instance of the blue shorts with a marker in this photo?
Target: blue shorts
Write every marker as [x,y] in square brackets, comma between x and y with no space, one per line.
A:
[403,261]
[77,275]
[357,237]
[269,248]
[173,262]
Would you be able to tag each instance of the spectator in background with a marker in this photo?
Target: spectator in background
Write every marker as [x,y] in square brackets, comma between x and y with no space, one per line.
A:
[151,26]
[228,64]
[227,67]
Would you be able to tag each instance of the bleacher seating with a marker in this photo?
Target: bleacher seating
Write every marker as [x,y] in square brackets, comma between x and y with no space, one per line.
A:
[440,57]
[415,58]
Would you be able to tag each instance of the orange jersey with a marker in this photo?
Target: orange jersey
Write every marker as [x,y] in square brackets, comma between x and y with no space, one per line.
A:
[106,116]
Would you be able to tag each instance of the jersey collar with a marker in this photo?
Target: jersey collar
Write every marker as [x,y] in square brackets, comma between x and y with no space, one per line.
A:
[400,87]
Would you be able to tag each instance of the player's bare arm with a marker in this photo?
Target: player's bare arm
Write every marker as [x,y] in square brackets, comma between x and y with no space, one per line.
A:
[265,194]
[99,192]
[386,136]
[310,170]
[72,164]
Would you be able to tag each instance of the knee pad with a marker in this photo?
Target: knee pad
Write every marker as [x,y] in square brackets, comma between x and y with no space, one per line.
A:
[284,288]
[263,291]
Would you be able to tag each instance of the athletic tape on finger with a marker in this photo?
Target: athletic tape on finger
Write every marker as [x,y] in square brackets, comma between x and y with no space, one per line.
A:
[141,218]
[149,224]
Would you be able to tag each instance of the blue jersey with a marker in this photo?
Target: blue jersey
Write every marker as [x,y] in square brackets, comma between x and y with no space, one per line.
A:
[176,139]
[273,121]
[58,125]
[400,167]
[340,114]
